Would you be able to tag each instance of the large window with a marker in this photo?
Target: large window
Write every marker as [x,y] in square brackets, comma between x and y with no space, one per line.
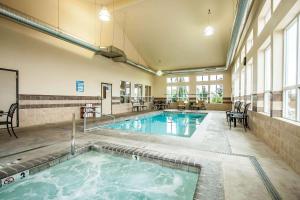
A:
[184,79]
[147,93]
[202,92]
[237,86]
[243,81]
[175,93]
[172,80]
[216,93]
[291,104]
[275,4]
[125,90]
[216,77]
[202,78]
[264,16]
[267,80]
[249,43]
[138,91]
[249,81]
[172,93]
[183,92]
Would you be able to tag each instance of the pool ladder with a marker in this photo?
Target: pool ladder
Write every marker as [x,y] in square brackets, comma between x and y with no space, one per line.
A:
[73,134]
[92,111]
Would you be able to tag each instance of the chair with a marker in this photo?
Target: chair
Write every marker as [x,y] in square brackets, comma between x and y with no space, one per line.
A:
[236,108]
[135,106]
[199,105]
[9,119]
[181,105]
[243,117]
[142,105]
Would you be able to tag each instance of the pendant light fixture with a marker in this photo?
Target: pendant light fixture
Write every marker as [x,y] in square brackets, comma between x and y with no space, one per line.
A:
[209,30]
[104,14]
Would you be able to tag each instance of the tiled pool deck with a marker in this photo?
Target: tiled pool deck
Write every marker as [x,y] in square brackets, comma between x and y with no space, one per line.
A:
[234,164]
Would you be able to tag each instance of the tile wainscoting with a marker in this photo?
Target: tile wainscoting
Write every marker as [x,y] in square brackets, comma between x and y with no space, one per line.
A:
[43,109]
[281,135]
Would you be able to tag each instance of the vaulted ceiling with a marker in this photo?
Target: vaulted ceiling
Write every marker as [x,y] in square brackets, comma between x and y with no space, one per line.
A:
[169,33]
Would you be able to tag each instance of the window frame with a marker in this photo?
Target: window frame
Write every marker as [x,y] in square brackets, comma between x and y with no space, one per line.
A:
[296,86]
[268,91]
[198,95]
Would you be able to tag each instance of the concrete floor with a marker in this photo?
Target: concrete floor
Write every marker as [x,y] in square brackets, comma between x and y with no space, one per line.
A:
[235,150]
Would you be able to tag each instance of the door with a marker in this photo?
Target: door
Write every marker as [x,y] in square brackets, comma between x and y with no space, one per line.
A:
[9,92]
[106,98]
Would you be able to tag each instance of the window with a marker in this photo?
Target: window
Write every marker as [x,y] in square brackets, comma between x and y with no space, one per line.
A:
[213,77]
[237,64]
[220,77]
[147,93]
[243,55]
[264,16]
[249,77]
[237,86]
[291,89]
[183,92]
[172,80]
[243,82]
[267,80]
[249,42]
[202,78]
[202,92]
[183,79]
[125,90]
[172,93]
[216,93]
[138,91]
[275,4]
[217,77]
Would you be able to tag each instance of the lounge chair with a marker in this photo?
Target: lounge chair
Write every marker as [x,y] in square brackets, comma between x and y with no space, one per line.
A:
[241,116]
[9,119]
[199,105]
[181,105]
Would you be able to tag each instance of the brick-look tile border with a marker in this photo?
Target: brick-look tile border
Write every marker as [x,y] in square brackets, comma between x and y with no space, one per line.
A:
[54,98]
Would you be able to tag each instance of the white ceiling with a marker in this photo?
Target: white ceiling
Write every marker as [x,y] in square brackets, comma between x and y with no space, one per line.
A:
[169,33]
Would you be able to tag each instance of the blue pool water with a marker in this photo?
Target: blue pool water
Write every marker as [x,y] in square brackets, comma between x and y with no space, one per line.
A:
[165,123]
[100,176]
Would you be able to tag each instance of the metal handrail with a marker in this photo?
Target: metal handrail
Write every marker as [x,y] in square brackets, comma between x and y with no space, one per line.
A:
[87,112]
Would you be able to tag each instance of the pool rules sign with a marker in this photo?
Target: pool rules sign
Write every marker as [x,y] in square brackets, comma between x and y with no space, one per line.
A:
[79,86]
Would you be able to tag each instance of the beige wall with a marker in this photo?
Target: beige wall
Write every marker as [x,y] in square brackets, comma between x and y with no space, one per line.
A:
[49,66]
[80,19]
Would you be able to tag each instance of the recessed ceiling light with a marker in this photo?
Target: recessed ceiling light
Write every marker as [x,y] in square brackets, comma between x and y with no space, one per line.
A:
[159,73]
[104,14]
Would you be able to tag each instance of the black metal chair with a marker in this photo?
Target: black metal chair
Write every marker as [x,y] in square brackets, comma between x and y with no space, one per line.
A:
[236,108]
[242,117]
[9,118]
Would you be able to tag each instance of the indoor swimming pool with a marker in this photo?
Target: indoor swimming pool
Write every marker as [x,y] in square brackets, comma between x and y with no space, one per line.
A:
[183,124]
[99,176]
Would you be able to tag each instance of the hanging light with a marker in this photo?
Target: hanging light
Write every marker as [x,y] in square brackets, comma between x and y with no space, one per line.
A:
[209,30]
[104,14]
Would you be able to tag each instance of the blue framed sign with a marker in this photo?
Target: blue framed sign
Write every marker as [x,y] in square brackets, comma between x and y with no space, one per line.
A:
[79,86]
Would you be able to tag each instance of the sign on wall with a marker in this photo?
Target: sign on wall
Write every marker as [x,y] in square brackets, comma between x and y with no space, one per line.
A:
[79,86]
